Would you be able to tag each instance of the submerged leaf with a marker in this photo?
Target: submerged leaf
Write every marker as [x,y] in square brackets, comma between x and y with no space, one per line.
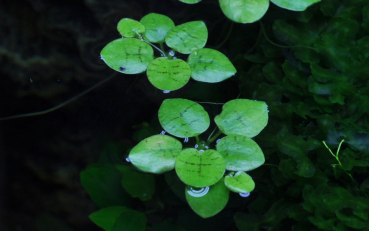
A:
[244,11]
[156,27]
[106,218]
[211,66]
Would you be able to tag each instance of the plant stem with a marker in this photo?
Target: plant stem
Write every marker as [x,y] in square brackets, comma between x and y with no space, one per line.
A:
[157,48]
[211,140]
[197,140]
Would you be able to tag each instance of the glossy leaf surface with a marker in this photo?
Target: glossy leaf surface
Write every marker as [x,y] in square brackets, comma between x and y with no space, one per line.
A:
[244,11]
[243,117]
[183,118]
[127,55]
[155,154]
[294,5]
[156,27]
[209,201]
[130,28]
[168,74]
[240,153]
[211,66]
[187,37]
[200,169]
[241,182]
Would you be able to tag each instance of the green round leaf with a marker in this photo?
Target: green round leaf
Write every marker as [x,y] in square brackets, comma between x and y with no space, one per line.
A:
[183,118]
[168,74]
[127,55]
[130,28]
[156,27]
[208,201]
[241,182]
[155,154]
[190,1]
[211,66]
[244,11]
[200,169]
[295,5]
[242,117]
[240,153]
[187,37]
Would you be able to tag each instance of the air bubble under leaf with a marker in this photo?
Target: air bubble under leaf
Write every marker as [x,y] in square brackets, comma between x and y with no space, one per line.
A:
[156,27]
[155,154]
[130,28]
[211,202]
[128,55]
[244,11]
[200,169]
[183,118]
[241,182]
[294,5]
[168,75]
[187,37]
[240,153]
[242,117]
[211,66]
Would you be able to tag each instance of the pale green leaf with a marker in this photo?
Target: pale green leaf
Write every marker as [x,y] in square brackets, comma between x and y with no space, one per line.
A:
[187,37]
[244,11]
[190,1]
[294,5]
[130,28]
[155,154]
[156,27]
[211,66]
[200,169]
[168,74]
[241,182]
[127,55]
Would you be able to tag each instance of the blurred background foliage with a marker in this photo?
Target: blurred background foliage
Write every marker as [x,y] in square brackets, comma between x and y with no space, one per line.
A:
[310,67]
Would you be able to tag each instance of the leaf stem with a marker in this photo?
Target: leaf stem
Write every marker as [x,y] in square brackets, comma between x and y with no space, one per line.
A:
[157,48]
[211,140]
[197,140]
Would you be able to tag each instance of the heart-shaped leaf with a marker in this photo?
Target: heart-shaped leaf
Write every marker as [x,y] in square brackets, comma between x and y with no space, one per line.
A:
[240,153]
[187,37]
[168,74]
[156,27]
[200,169]
[208,201]
[155,154]
[130,28]
[127,55]
[243,117]
[244,11]
[295,5]
[211,66]
[183,118]
[241,182]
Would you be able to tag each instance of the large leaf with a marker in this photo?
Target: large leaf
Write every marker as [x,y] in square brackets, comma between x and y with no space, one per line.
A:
[294,5]
[127,55]
[209,201]
[183,118]
[241,182]
[168,74]
[244,11]
[106,218]
[240,153]
[102,182]
[211,66]
[155,154]
[200,169]
[156,27]
[243,117]
[130,28]
[187,37]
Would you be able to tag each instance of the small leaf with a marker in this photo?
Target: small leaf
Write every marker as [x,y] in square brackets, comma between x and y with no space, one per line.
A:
[211,66]
[240,153]
[241,182]
[200,169]
[210,203]
[242,117]
[244,11]
[130,221]
[130,28]
[190,1]
[183,118]
[155,154]
[156,27]
[187,37]
[127,55]
[106,218]
[168,74]
[294,5]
